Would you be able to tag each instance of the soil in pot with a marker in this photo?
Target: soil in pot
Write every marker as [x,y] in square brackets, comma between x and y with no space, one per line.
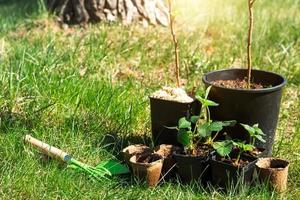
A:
[257,152]
[194,167]
[169,166]
[136,149]
[248,106]
[238,84]
[167,107]
[225,172]
[147,168]
[274,172]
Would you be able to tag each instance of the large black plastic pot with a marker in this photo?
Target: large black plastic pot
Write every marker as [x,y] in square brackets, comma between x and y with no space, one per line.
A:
[225,175]
[247,106]
[165,114]
[191,168]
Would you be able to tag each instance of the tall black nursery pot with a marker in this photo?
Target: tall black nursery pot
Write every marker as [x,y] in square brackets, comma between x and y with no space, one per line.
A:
[247,106]
[165,114]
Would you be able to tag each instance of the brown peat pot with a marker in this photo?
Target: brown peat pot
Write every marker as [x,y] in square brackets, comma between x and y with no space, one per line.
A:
[193,168]
[224,174]
[274,172]
[165,113]
[169,165]
[135,149]
[149,172]
[248,106]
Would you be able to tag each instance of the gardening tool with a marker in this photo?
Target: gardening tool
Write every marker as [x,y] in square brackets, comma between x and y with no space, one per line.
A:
[101,171]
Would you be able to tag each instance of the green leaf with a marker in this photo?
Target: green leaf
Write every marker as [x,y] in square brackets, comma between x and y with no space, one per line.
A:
[203,130]
[207,92]
[250,129]
[243,147]
[184,123]
[260,138]
[248,147]
[114,167]
[184,137]
[206,102]
[194,119]
[223,148]
[258,131]
[216,126]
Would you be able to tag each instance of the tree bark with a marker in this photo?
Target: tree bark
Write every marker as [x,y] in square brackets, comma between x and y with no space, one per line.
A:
[128,11]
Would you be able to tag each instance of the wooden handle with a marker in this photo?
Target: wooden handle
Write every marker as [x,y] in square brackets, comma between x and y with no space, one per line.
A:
[48,149]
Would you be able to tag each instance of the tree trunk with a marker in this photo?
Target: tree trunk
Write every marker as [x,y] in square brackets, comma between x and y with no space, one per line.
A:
[83,11]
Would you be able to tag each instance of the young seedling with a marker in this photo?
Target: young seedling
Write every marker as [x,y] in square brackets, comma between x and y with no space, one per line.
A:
[175,41]
[242,147]
[255,133]
[198,130]
[225,147]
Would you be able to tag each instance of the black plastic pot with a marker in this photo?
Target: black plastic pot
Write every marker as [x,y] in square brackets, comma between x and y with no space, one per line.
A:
[165,114]
[192,168]
[247,106]
[225,175]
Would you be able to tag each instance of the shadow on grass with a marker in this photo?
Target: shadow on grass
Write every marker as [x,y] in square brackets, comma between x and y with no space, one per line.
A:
[107,133]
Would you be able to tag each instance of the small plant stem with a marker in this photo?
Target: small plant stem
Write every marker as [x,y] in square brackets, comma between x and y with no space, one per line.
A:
[208,114]
[249,50]
[212,140]
[238,159]
[172,18]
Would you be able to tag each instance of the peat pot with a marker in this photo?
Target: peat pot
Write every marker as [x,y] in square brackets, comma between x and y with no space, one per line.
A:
[225,174]
[169,165]
[165,113]
[149,172]
[193,168]
[248,106]
[274,172]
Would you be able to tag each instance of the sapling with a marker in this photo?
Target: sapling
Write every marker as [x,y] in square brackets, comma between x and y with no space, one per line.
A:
[242,148]
[249,50]
[255,133]
[198,130]
[175,41]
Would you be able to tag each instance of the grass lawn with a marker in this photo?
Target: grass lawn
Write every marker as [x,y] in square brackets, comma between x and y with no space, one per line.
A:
[86,91]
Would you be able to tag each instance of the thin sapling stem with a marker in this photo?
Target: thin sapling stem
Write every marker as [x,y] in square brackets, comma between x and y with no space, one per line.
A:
[249,50]
[175,41]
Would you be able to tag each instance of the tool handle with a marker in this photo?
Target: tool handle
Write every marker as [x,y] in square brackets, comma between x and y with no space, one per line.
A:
[48,149]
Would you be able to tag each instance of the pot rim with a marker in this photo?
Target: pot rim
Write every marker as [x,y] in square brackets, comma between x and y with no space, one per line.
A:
[286,162]
[273,88]
[131,160]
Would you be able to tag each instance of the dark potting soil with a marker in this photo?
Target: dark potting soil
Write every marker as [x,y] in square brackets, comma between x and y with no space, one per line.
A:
[201,150]
[238,84]
[148,158]
[242,163]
